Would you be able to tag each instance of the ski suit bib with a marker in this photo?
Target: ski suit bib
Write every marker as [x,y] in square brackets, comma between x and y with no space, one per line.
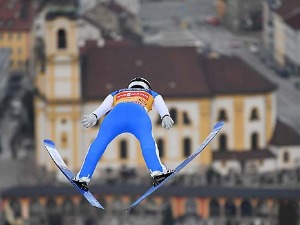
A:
[129,114]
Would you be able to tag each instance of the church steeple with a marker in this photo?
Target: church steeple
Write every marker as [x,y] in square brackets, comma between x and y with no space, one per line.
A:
[62,52]
[58,105]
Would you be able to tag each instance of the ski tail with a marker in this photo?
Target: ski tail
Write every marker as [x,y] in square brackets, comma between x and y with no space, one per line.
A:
[61,165]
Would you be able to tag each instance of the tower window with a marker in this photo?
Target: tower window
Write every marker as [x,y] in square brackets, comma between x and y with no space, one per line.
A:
[223,142]
[254,114]
[186,119]
[160,146]
[62,39]
[186,147]
[222,115]
[123,149]
[64,140]
[254,141]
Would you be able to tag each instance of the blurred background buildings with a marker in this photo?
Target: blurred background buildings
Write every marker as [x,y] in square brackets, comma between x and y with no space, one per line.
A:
[232,60]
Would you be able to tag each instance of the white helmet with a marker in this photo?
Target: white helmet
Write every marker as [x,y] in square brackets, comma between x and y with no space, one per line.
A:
[139,82]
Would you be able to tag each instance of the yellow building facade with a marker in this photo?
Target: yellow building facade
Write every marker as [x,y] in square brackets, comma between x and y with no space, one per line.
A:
[19,42]
[16,20]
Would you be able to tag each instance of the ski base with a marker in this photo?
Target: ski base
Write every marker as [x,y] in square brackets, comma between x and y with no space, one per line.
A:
[217,127]
[50,146]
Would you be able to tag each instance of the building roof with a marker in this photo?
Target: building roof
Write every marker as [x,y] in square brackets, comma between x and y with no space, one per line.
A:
[284,135]
[135,190]
[287,7]
[290,13]
[243,155]
[175,72]
[16,15]
[231,75]
[294,20]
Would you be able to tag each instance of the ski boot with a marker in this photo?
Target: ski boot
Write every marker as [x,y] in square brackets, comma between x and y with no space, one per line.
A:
[161,176]
[83,185]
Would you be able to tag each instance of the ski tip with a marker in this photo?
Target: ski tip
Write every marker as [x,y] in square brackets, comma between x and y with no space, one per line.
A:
[218,125]
[99,206]
[49,142]
[127,208]
[131,206]
[95,203]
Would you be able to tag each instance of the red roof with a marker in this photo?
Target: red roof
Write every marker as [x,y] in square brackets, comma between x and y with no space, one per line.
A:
[231,75]
[290,13]
[287,7]
[284,135]
[16,15]
[294,21]
[172,71]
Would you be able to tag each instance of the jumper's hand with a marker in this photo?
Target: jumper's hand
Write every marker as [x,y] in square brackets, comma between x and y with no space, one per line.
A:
[89,120]
[167,122]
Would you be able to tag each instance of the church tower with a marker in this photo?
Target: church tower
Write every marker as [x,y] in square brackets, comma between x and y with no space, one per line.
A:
[57,107]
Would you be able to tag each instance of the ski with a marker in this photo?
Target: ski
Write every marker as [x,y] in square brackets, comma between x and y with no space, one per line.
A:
[59,162]
[217,127]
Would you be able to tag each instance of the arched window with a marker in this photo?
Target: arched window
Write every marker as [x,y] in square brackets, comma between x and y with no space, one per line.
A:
[186,119]
[222,115]
[186,147]
[61,39]
[214,208]
[223,142]
[254,141]
[230,210]
[161,147]
[123,149]
[246,209]
[286,157]
[254,114]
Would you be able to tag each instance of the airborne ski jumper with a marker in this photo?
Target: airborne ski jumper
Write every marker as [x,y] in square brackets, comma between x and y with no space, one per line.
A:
[128,113]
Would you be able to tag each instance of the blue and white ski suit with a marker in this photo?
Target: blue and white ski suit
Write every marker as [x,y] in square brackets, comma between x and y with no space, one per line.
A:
[128,113]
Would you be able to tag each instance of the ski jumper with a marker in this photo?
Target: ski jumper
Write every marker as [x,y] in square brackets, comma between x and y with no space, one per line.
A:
[128,112]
